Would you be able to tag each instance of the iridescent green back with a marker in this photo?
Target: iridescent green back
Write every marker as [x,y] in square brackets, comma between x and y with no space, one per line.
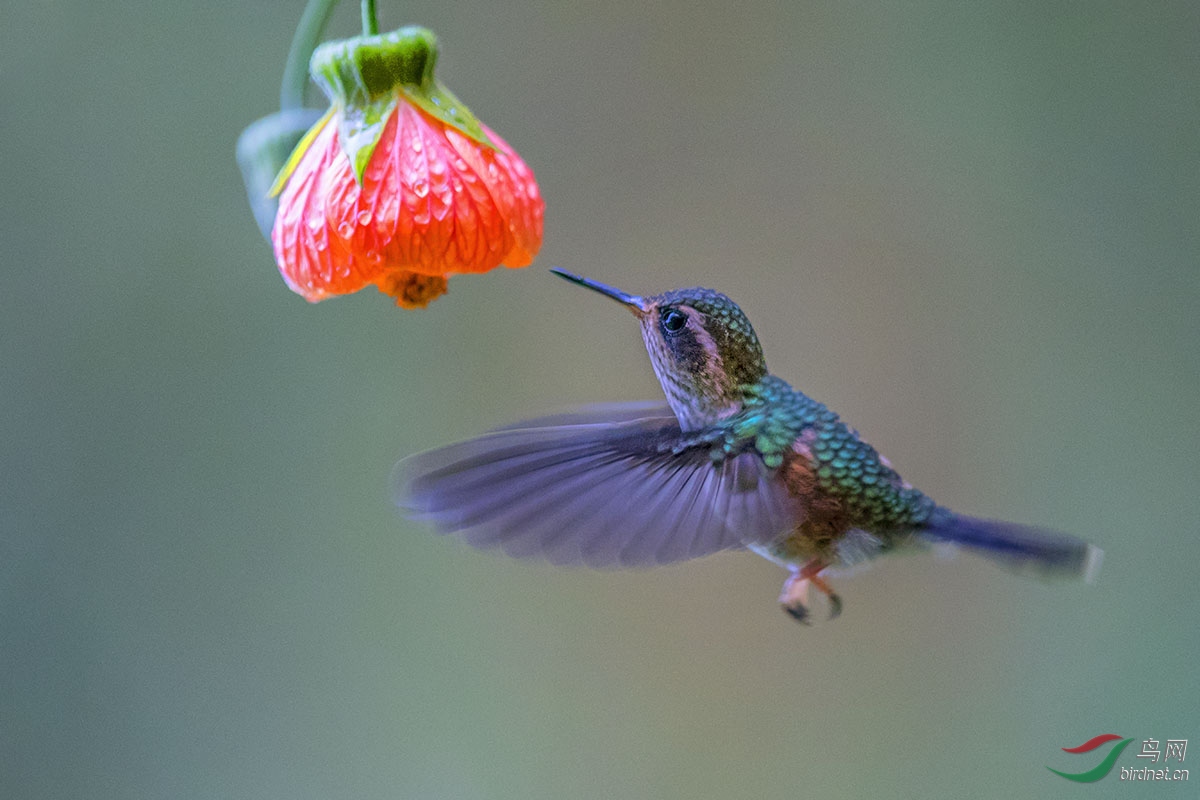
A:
[776,420]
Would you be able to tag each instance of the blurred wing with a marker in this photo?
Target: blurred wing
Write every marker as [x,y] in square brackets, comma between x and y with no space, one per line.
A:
[601,414]
[600,487]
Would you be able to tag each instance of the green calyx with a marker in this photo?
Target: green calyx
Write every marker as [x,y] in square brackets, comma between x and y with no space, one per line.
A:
[367,68]
[366,76]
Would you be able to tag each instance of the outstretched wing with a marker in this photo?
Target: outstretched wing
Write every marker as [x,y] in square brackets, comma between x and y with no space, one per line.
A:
[606,486]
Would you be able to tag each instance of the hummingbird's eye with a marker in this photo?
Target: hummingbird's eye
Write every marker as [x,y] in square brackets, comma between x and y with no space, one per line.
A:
[673,320]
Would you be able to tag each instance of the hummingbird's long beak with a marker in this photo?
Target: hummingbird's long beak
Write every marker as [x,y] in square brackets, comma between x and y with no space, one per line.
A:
[634,303]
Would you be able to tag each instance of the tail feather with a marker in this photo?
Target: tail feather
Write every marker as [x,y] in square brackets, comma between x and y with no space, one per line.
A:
[1020,547]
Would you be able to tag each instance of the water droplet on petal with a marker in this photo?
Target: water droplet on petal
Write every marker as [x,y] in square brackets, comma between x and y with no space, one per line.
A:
[373,257]
[364,217]
[320,244]
[420,188]
[345,229]
[416,145]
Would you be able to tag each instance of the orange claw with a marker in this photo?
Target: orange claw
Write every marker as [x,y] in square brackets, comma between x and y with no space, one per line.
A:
[795,591]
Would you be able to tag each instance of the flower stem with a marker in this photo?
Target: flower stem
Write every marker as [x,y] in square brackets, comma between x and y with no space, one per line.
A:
[308,32]
[370,24]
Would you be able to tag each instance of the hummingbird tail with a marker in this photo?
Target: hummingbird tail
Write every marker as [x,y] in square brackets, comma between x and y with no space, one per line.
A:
[1023,548]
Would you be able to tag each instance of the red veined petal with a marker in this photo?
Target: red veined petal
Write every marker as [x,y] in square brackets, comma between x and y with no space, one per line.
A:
[432,202]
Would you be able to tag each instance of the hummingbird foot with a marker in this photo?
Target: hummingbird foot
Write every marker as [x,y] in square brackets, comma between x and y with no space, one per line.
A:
[835,600]
[798,613]
[794,597]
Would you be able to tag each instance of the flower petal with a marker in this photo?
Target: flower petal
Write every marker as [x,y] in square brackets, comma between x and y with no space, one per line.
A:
[301,237]
[528,210]
[431,201]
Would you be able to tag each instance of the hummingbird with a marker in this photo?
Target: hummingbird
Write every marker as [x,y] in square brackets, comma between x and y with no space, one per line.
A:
[734,459]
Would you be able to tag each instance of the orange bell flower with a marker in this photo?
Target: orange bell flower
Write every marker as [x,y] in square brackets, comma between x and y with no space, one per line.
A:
[398,185]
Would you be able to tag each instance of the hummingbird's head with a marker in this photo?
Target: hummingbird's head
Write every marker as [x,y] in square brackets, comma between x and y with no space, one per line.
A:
[701,344]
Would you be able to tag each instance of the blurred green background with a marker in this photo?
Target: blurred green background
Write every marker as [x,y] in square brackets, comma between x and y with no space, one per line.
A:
[972,229]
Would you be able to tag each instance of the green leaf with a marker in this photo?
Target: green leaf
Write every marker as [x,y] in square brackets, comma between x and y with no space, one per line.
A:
[359,129]
[439,102]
